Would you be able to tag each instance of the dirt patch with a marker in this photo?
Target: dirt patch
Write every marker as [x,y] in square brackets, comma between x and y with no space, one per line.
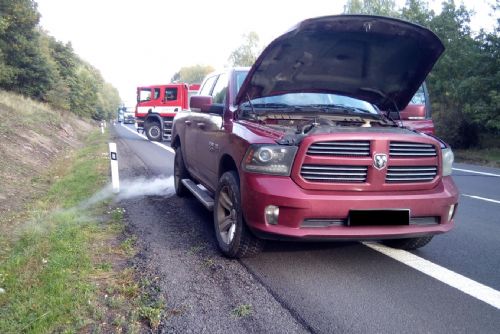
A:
[32,137]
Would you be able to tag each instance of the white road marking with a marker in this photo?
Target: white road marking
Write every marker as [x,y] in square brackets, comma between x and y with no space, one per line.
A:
[475,172]
[451,278]
[482,198]
[163,146]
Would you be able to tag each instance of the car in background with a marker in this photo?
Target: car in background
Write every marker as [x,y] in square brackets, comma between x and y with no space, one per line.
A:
[129,116]
[417,114]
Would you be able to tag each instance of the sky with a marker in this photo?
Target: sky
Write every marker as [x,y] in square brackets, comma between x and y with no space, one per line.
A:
[134,43]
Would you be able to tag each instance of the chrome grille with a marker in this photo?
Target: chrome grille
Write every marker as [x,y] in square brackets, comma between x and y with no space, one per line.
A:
[334,173]
[323,222]
[406,149]
[340,148]
[406,174]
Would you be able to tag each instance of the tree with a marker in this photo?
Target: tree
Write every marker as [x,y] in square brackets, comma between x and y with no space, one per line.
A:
[38,66]
[26,69]
[247,52]
[192,74]
[417,11]
[371,7]
[464,84]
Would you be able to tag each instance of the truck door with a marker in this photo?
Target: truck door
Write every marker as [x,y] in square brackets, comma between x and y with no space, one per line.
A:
[209,133]
[143,101]
[192,148]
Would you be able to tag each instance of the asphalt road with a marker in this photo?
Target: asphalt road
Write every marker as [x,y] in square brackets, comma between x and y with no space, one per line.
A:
[322,287]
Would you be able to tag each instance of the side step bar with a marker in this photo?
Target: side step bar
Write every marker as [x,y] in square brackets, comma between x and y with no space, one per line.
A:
[200,194]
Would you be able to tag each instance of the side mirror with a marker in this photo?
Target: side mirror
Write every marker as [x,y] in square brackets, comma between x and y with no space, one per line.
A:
[200,103]
[413,112]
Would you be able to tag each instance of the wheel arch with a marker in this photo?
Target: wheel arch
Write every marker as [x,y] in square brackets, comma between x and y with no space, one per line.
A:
[176,142]
[226,164]
[151,118]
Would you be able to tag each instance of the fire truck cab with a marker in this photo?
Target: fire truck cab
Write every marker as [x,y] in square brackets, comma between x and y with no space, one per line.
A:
[157,106]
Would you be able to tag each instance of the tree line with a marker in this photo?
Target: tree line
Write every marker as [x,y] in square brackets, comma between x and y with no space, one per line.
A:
[464,84]
[38,66]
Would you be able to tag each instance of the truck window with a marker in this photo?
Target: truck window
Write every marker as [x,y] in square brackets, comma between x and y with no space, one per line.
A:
[207,87]
[419,97]
[220,89]
[170,94]
[156,94]
[144,95]
[240,77]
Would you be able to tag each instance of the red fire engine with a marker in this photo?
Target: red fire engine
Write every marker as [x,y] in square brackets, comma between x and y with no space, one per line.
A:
[157,105]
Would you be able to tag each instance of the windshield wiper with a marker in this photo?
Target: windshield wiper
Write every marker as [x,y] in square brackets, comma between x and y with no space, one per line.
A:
[272,105]
[336,107]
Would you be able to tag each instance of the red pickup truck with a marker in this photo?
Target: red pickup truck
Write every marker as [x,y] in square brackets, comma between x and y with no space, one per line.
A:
[302,145]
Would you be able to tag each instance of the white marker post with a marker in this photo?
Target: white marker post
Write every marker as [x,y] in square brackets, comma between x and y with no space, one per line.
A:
[102,127]
[115,179]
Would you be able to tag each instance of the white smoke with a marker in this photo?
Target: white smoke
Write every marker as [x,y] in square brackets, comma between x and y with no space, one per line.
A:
[144,187]
[133,188]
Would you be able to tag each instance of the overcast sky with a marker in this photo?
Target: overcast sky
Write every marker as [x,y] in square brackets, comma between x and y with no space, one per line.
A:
[145,42]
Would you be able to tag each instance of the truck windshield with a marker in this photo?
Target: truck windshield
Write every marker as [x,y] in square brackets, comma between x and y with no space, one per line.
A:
[419,97]
[325,102]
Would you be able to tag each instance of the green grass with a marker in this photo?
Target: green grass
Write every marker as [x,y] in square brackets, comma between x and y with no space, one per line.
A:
[60,261]
[242,310]
[485,156]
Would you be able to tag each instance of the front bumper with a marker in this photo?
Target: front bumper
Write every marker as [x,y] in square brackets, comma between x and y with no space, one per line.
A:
[297,205]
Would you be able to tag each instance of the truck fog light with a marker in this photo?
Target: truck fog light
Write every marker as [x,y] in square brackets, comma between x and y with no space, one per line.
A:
[451,212]
[272,212]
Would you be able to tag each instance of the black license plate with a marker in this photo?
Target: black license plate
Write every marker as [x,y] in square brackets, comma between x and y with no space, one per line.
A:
[379,217]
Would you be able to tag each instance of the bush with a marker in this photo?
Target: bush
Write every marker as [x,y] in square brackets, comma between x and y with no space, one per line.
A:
[456,129]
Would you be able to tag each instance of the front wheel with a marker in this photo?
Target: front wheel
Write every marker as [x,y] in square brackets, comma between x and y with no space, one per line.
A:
[180,172]
[409,243]
[233,236]
[153,131]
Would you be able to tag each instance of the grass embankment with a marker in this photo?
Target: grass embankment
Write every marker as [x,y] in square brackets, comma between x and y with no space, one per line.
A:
[62,266]
[489,155]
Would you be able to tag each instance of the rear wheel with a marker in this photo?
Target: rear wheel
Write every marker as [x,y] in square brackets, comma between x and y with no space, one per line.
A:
[233,236]
[153,131]
[180,172]
[408,244]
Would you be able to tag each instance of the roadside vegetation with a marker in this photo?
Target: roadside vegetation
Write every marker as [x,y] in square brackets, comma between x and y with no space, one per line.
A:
[64,266]
[36,65]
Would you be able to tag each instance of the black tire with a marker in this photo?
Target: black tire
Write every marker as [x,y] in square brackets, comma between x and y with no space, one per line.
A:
[153,131]
[408,244]
[235,240]
[180,172]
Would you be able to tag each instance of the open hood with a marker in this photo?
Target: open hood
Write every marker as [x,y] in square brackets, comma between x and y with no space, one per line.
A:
[376,59]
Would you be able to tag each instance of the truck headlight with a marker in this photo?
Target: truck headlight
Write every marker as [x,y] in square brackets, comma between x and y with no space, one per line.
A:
[269,159]
[448,159]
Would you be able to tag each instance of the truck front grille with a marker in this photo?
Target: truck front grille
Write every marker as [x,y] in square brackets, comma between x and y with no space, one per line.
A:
[411,150]
[340,148]
[334,173]
[406,174]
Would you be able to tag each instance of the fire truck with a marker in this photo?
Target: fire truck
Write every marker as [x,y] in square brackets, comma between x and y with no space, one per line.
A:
[157,106]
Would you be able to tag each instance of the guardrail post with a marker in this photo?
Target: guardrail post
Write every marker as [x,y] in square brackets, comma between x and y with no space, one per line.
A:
[115,179]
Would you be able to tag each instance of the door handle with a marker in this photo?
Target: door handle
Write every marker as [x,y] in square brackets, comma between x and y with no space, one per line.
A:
[201,125]
[187,122]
